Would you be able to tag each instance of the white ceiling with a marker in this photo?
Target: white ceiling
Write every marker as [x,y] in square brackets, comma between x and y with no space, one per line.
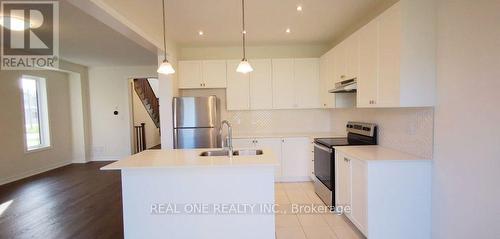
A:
[321,21]
[85,40]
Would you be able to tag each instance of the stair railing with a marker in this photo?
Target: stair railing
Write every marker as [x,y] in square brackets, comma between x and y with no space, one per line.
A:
[147,96]
[140,138]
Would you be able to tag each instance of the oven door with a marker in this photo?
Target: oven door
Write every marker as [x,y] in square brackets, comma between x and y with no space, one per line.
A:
[323,165]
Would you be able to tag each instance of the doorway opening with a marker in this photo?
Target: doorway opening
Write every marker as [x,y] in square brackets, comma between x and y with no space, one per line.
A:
[145,114]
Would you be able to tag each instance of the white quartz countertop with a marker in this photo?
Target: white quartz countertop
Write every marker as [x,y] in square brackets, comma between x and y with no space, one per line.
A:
[189,158]
[376,153]
[237,135]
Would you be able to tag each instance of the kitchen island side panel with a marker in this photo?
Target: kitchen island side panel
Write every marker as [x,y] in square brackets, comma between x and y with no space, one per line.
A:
[180,189]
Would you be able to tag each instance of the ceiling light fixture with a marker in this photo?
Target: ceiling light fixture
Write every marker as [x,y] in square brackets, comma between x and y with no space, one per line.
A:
[165,67]
[244,66]
[201,33]
[288,30]
[299,8]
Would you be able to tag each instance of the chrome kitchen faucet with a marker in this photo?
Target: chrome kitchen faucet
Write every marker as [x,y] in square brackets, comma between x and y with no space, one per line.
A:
[229,139]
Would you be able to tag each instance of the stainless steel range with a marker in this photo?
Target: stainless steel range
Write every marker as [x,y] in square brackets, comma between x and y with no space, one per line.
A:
[324,156]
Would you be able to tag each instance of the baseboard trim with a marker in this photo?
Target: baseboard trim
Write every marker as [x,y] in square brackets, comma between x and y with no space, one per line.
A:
[293,179]
[33,172]
[104,159]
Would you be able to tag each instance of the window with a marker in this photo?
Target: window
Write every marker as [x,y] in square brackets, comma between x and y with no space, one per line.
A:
[36,120]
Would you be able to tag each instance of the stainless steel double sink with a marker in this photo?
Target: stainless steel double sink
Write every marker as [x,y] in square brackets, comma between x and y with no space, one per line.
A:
[241,152]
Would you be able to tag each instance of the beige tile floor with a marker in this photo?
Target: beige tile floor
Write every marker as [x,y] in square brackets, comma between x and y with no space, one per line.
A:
[304,225]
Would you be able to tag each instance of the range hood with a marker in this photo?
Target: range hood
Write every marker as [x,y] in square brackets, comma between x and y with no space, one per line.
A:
[347,86]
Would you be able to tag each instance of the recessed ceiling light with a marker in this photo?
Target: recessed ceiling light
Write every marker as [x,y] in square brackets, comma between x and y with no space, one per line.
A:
[201,33]
[299,8]
[288,30]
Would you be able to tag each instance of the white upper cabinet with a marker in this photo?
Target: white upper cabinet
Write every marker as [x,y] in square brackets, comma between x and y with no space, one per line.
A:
[395,58]
[202,74]
[275,84]
[283,85]
[340,62]
[307,84]
[326,75]
[296,83]
[250,91]
[389,58]
[237,91]
[352,57]
[261,85]
[214,74]
[406,57]
[368,65]
[190,74]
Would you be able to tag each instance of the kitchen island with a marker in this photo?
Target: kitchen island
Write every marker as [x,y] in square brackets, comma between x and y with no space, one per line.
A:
[181,194]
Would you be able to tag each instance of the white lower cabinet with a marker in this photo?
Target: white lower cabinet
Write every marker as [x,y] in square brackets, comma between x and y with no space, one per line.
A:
[342,181]
[351,184]
[293,155]
[359,194]
[275,145]
[295,159]
[388,199]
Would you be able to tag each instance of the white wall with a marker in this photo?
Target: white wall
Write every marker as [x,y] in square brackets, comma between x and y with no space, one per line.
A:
[14,162]
[80,111]
[466,193]
[109,91]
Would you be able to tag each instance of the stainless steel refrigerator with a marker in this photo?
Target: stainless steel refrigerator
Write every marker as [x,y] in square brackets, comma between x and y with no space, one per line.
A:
[196,122]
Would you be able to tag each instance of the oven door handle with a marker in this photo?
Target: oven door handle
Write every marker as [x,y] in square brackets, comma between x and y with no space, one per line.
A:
[329,150]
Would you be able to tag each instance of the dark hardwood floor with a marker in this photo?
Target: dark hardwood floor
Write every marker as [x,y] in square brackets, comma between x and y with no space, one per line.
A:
[75,201]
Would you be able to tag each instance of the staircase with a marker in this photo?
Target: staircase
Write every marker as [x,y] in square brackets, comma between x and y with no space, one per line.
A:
[148,99]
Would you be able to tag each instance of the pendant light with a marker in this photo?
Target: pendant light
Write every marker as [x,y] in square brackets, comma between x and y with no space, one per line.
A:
[165,67]
[244,66]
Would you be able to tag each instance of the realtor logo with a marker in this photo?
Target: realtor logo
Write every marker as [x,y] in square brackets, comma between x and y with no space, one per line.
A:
[30,35]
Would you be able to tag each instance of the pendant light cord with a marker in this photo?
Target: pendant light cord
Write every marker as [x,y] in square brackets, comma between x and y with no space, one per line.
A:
[243,26]
[164,31]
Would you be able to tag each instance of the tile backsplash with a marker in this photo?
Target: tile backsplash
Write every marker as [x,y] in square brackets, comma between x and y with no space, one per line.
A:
[408,130]
[269,121]
[280,121]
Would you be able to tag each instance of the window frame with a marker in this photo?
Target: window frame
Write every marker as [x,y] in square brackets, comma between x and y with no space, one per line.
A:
[43,115]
